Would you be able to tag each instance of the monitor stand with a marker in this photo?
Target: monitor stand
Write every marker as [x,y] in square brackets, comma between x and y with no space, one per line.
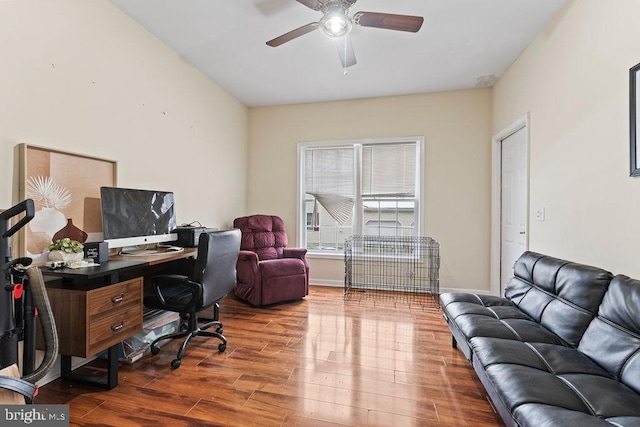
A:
[157,250]
[134,251]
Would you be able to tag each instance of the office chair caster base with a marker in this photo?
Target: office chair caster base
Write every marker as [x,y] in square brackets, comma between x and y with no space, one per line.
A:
[175,363]
[155,349]
[219,330]
[222,347]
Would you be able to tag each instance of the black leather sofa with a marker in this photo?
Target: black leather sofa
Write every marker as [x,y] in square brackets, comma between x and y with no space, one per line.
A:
[561,349]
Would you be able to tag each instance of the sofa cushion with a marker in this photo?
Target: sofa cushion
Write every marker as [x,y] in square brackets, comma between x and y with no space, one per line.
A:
[471,315]
[542,356]
[540,415]
[613,338]
[552,376]
[520,329]
[560,295]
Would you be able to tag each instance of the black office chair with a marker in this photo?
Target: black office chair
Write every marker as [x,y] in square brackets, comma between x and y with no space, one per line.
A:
[214,276]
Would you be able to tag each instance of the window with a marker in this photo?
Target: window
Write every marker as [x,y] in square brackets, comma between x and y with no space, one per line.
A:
[359,187]
[381,228]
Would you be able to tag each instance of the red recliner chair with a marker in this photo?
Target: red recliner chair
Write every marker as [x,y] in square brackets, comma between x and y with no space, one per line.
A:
[268,271]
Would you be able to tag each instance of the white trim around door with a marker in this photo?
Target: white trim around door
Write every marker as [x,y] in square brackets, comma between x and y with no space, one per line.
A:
[496,196]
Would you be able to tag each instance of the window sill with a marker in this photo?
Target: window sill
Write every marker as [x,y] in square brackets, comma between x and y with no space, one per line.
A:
[324,255]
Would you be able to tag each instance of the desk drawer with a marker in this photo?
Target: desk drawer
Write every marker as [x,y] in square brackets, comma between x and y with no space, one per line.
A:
[85,316]
[114,328]
[115,297]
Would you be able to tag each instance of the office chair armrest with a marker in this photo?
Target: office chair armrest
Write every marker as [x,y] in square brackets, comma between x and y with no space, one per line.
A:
[294,253]
[168,286]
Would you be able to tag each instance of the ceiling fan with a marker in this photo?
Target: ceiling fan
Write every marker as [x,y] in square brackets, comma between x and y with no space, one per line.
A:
[337,24]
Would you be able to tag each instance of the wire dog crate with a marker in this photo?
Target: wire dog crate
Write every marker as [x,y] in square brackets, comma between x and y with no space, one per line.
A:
[396,268]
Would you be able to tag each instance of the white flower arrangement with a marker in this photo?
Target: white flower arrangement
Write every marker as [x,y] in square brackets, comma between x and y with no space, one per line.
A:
[45,190]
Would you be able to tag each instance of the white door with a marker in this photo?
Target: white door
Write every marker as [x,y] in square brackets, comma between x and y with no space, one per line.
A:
[513,203]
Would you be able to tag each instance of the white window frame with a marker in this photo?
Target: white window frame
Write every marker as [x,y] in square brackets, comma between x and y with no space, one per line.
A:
[301,219]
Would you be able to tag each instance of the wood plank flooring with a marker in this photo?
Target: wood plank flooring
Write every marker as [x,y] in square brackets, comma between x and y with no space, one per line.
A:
[321,361]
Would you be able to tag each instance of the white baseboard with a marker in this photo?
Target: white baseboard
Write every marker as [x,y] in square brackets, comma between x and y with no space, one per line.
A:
[331,283]
[465,290]
[340,284]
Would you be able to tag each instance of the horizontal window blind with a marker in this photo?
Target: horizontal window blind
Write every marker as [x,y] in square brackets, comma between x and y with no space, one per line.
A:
[389,170]
[329,178]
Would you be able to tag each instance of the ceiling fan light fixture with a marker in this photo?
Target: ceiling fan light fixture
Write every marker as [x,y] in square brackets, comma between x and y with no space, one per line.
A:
[335,24]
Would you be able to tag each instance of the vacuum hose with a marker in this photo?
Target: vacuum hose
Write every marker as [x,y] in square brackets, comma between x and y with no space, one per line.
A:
[49,331]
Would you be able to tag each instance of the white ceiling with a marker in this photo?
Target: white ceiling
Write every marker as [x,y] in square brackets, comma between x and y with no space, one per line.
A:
[461,41]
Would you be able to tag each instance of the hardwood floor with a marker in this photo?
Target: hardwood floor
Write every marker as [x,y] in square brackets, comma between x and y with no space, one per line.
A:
[321,361]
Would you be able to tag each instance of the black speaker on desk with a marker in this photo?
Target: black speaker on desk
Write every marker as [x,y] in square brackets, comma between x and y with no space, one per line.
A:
[188,236]
[99,251]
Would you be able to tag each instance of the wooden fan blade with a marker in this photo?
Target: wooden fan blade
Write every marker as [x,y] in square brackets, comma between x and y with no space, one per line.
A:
[293,34]
[312,4]
[389,21]
[345,51]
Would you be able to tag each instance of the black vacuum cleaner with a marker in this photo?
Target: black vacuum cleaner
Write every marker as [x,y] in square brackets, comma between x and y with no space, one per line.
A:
[23,298]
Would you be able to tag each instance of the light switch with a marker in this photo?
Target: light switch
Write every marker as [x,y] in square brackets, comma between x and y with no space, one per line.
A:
[540,214]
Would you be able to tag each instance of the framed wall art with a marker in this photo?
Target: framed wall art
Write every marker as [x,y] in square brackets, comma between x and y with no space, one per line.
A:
[634,119]
[65,188]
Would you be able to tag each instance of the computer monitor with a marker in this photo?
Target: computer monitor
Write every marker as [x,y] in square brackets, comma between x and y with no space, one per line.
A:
[133,219]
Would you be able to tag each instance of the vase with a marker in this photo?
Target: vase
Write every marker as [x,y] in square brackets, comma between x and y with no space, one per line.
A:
[70,231]
[65,256]
[48,221]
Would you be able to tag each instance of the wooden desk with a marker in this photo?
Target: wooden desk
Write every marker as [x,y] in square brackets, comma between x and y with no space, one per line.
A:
[96,308]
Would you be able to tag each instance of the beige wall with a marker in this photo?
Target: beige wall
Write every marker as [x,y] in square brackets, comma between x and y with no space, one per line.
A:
[456,128]
[573,79]
[81,76]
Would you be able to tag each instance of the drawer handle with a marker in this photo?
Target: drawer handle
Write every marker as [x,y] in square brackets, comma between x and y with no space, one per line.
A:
[117,299]
[117,327]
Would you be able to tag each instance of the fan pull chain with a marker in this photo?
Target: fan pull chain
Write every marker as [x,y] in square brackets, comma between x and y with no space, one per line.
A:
[344,68]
